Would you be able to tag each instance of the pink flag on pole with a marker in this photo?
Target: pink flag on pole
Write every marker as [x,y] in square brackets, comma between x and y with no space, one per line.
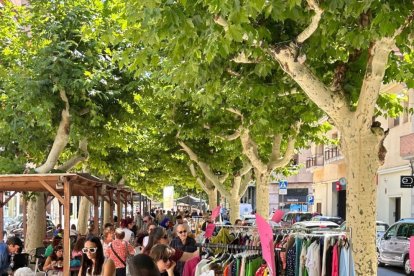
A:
[215,213]
[277,216]
[266,241]
[209,230]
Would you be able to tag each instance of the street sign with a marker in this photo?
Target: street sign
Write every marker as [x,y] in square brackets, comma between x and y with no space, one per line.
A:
[282,191]
[283,184]
[406,181]
[311,199]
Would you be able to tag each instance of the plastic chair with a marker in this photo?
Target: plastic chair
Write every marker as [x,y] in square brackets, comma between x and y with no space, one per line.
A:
[40,258]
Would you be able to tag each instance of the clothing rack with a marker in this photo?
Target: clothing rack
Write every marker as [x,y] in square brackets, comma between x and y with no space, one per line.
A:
[232,246]
[289,230]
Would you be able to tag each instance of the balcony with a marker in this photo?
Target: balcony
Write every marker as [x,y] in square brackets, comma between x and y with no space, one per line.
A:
[314,161]
[407,146]
[332,154]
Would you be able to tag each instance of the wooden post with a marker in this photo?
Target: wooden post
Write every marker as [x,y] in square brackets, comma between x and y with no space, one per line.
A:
[132,205]
[139,204]
[1,215]
[125,194]
[119,206]
[24,217]
[66,233]
[95,211]
[111,205]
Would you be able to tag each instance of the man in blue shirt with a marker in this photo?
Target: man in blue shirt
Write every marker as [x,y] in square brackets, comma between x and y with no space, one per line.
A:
[12,246]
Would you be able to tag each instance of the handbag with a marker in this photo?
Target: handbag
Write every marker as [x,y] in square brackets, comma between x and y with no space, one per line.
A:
[125,263]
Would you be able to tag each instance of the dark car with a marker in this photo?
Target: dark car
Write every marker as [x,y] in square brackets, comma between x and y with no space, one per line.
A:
[337,220]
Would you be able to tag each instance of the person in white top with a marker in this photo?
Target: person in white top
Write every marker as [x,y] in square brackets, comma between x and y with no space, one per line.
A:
[150,228]
[126,224]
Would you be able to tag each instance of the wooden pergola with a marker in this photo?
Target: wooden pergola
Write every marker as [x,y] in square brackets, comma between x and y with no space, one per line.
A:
[62,186]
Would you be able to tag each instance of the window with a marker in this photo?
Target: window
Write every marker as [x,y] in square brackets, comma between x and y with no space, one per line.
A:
[391,232]
[403,230]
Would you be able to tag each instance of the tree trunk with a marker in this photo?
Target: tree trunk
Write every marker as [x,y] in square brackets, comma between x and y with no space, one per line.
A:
[262,194]
[107,212]
[84,208]
[212,198]
[362,165]
[234,203]
[36,223]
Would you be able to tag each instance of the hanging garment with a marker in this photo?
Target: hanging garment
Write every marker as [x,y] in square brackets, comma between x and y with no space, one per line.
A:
[335,260]
[328,262]
[325,248]
[190,266]
[261,271]
[278,260]
[291,261]
[313,259]
[298,244]
[303,271]
[346,262]
[200,266]
[253,266]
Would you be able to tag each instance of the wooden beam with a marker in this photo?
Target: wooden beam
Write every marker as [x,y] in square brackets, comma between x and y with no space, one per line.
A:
[7,199]
[52,191]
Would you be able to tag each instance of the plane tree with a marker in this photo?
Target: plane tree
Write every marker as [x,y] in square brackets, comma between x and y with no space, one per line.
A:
[60,89]
[338,53]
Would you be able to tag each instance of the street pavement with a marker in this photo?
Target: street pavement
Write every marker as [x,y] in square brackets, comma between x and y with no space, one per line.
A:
[390,271]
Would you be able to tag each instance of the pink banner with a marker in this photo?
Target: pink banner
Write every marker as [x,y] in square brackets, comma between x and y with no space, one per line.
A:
[411,253]
[266,241]
[277,216]
[215,213]
[209,230]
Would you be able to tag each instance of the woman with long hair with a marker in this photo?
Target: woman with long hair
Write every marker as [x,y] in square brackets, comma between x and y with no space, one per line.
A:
[159,236]
[55,260]
[93,259]
[77,248]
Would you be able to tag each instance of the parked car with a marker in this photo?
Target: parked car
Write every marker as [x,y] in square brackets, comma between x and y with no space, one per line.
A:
[292,217]
[248,220]
[393,246]
[315,225]
[337,220]
[19,232]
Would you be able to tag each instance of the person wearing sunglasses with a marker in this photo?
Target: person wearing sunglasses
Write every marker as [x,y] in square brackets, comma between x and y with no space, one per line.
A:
[55,260]
[159,236]
[162,255]
[93,260]
[184,243]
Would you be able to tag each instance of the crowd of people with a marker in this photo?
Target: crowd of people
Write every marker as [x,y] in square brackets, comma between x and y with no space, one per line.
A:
[155,243]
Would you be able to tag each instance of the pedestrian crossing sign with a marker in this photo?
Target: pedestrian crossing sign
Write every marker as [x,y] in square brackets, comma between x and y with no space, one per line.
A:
[283,184]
